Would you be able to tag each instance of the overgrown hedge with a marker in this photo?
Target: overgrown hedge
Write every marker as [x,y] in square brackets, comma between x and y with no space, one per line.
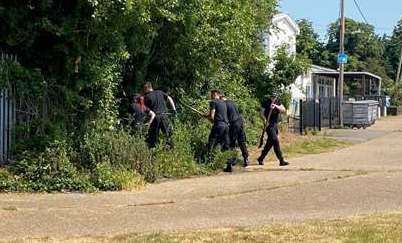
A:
[80,61]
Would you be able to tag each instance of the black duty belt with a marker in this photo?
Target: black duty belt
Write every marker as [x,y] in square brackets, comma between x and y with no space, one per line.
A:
[221,123]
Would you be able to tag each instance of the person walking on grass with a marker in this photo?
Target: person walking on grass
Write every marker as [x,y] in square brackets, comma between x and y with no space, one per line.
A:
[271,108]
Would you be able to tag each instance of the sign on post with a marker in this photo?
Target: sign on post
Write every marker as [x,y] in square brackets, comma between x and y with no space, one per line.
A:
[342,58]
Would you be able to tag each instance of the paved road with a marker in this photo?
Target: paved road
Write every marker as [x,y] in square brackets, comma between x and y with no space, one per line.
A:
[363,179]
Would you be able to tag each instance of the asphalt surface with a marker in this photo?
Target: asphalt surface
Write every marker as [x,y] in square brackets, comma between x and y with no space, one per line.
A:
[365,178]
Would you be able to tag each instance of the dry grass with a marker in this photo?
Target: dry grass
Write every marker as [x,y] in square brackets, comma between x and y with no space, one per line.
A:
[377,228]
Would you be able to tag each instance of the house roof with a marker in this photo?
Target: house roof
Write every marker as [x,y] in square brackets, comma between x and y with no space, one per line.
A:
[335,73]
[316,68]
[363,73]
[281,16]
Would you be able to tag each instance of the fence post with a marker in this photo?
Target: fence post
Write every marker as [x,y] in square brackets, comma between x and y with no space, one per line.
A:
[314,114]
[301,117]
[330,112]
[319,114]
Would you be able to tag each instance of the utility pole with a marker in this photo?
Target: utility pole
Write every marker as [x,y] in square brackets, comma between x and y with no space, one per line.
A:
[341,64]
[398,74]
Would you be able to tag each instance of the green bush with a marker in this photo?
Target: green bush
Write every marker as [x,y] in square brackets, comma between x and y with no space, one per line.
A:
[7,182]
[119,149]
[107,178]
[218,161]
[51,170]
[180,161]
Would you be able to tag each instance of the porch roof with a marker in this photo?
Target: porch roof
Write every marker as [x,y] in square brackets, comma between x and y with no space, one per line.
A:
[334,73]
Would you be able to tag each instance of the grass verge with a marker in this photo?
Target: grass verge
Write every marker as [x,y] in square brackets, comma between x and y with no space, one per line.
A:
[376,228]
[294,146]
[312,145]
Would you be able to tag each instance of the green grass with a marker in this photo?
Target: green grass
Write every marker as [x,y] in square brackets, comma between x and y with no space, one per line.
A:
[378,228]
[312,145]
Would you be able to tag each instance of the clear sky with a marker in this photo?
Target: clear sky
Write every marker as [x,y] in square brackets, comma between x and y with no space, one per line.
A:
[383,14]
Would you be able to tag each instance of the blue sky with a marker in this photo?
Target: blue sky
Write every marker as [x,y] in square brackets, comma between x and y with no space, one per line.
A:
[383,14]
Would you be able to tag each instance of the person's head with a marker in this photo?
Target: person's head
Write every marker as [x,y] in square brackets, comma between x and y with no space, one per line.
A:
[139,100]
[215,94]
[273,96]
[135,98]
[222,97]
[148,87]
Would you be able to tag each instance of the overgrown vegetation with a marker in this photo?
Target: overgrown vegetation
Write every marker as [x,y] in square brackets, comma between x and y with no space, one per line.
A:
[80,61]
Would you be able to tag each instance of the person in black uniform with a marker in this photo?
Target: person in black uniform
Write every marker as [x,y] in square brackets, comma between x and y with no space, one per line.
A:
[272,105]
[236,129]
[139,113]
[155,100]
[218,116]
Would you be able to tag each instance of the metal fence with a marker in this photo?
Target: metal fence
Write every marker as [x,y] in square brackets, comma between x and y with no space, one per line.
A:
[7,117]
[293,123]
[318,113]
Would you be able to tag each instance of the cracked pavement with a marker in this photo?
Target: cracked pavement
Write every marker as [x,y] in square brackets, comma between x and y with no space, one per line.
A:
[365,178]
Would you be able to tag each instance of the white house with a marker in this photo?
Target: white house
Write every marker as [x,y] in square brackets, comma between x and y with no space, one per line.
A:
[284,32]
[318,82]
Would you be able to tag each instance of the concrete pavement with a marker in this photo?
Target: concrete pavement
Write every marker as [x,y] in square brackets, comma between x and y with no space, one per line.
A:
[362,179]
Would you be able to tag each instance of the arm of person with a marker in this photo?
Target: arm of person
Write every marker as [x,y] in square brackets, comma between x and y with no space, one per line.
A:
[212,115]
[280,108]
[212,110]
[152,117]
[171,102]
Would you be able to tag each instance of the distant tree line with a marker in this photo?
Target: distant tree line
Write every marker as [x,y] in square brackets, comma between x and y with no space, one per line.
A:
[367,51]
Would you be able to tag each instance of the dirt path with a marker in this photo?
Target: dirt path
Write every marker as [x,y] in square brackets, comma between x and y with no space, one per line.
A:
[363,179]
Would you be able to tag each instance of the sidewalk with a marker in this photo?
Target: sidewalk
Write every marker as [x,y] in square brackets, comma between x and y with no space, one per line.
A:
[363,179]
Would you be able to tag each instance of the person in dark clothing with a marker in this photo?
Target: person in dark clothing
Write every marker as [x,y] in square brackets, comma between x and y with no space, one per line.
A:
[236,129]
[220,128]
[139,113]
[155,100]
[270,110]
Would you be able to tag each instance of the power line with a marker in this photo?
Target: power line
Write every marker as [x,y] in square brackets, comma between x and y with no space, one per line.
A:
[360,11]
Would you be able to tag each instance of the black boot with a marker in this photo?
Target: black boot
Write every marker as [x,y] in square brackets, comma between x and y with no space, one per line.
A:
[260,161]
[245,162]
[233,161]
[283,163]
[228,168]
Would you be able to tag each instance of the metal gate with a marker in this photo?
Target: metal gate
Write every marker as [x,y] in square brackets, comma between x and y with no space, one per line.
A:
[318,113]
[7,117]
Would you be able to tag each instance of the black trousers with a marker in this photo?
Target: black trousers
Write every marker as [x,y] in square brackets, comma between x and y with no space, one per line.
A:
[160,124]
[238,136]
[272,141]
[219,136]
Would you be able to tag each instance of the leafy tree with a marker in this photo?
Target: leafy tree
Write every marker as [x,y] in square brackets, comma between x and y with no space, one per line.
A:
[361,44]
[393,49]
[308,43]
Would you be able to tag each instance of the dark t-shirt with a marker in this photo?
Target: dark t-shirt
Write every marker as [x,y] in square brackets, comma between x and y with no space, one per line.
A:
[221,116]
[156,101]
[138,114]
[233,112]
[266,104]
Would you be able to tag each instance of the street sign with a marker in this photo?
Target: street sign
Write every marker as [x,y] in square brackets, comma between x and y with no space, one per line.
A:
[342,58]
